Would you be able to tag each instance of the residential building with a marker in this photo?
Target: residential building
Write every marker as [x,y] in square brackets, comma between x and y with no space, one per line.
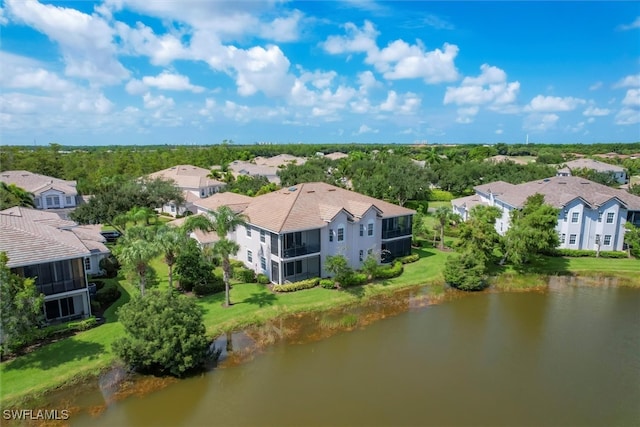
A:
[194,182]
[618,172]
[265,166]
[57,254]
[48,192]
[290,232]
[592,216]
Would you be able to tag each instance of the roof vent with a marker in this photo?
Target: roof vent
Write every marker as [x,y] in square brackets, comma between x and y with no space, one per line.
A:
[546,180]
[332,189]
[293,188]
[311,191]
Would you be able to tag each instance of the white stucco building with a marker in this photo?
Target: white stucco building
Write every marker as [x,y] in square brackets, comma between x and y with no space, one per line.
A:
[290,232]
[48,192]
[591,214]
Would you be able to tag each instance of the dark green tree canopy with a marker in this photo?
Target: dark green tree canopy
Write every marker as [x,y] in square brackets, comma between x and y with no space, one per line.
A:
[165,334]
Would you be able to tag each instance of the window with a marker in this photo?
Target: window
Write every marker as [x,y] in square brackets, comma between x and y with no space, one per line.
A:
[572,239]
[37,202]
[340,234]
[87,264]
[610,216]
[249,256]
[563,238]
[263,263]
[564,216]
[262,236]
[361,230]
[53,201]
[361,255]
[331,234]
[607,239]
[599,216]
[248,231]
[597,239]
[370,229]
[293,268]
[68,200]
[575,216]
[369,251]
[173,208]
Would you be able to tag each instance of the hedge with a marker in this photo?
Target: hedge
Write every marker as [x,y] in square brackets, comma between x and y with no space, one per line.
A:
[389,272]
[244,275]
[262,279]
[579,253]
[409,258]
[355,279]
[328,283]
[297,286]
[440,196]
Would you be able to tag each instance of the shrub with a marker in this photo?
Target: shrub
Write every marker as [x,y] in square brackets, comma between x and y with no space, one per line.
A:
[409,258]
[389,272]
[83,325]
[164,333]
[95,306]
[244,275]
[465,272]
[613,254]
[110,265]
[263,279]
[328,283]
[579,253]
[355,279]
[99,284]
[107,295]
[440,196]
[297,286]
[216,284]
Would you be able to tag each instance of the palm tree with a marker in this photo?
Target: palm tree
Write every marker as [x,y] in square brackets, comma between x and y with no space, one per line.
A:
[224,248]
[444,216]
[170,240]
[12,195]
[136,249]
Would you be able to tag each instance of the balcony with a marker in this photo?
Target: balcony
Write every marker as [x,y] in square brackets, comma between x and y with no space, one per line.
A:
[300,250]
[396,232]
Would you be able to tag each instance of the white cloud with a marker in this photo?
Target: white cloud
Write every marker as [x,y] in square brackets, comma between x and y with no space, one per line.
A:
[365,129]
[499,132]
[467,114]
[390,103]
[632,80]
[259,69]
[540,122]
[86,41]
[284,29]
[157,102]
[3,17]
[596,86]
[550,104]
[628,116]
[632,98]
[631,26]
[141,40]
[438,23]
[19,72]
[398,60]
[170,81]
[595,111]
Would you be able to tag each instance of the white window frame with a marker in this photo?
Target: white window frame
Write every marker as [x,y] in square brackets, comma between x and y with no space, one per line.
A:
[575,217]
[361,230]
[87,264]
[573,238]
[249,256]
[361,255]
[563,238]
[607,240]
[340,234]
[610,217]
[263,263]
[370,229]
[248,231]
[331,235]
[263,236]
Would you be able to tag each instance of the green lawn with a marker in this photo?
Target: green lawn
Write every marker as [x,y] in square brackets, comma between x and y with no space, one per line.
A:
[86,353]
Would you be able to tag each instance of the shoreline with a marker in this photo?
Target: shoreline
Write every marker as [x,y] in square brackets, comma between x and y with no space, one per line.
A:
[504,282]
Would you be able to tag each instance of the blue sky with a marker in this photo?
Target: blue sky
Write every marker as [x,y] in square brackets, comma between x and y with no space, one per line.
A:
[199,72]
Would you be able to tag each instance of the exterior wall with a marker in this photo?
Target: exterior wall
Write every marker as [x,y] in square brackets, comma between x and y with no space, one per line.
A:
[47,200]
[92,263]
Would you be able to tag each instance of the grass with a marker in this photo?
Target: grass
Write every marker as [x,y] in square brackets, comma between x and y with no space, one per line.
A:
[87,353]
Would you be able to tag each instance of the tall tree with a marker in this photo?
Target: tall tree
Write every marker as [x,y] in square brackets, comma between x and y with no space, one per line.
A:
[532,230]
[20,308]
[478,234]
[135,250]
[225,248]
[632,239]
[444,216]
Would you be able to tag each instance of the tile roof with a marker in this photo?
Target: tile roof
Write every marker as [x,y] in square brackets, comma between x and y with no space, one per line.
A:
[36,183]
[560,190]
[187,176]
[468,201]
[30,236]
[311,205]
[237,202]
[496,187]
[593,164]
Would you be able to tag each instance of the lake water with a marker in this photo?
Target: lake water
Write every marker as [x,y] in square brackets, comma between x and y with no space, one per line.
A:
[567,356]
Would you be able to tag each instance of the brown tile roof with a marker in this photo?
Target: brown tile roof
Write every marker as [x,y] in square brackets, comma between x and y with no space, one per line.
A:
[36,183]
[311,205]
[468,201]
[187,176]
[496,187]
[29,236]
[237,202]
[560,190]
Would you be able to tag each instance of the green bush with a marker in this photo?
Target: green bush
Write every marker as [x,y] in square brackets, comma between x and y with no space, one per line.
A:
[465,272]
[95,306]
[328,283]
[580,253]
[263,279]
[297,286]
[99,283]
[244,275]
[389,272]
[409,258]
[440,196]
[110,265]
[216,284]
[82,325]
[355,279]
[107,295]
